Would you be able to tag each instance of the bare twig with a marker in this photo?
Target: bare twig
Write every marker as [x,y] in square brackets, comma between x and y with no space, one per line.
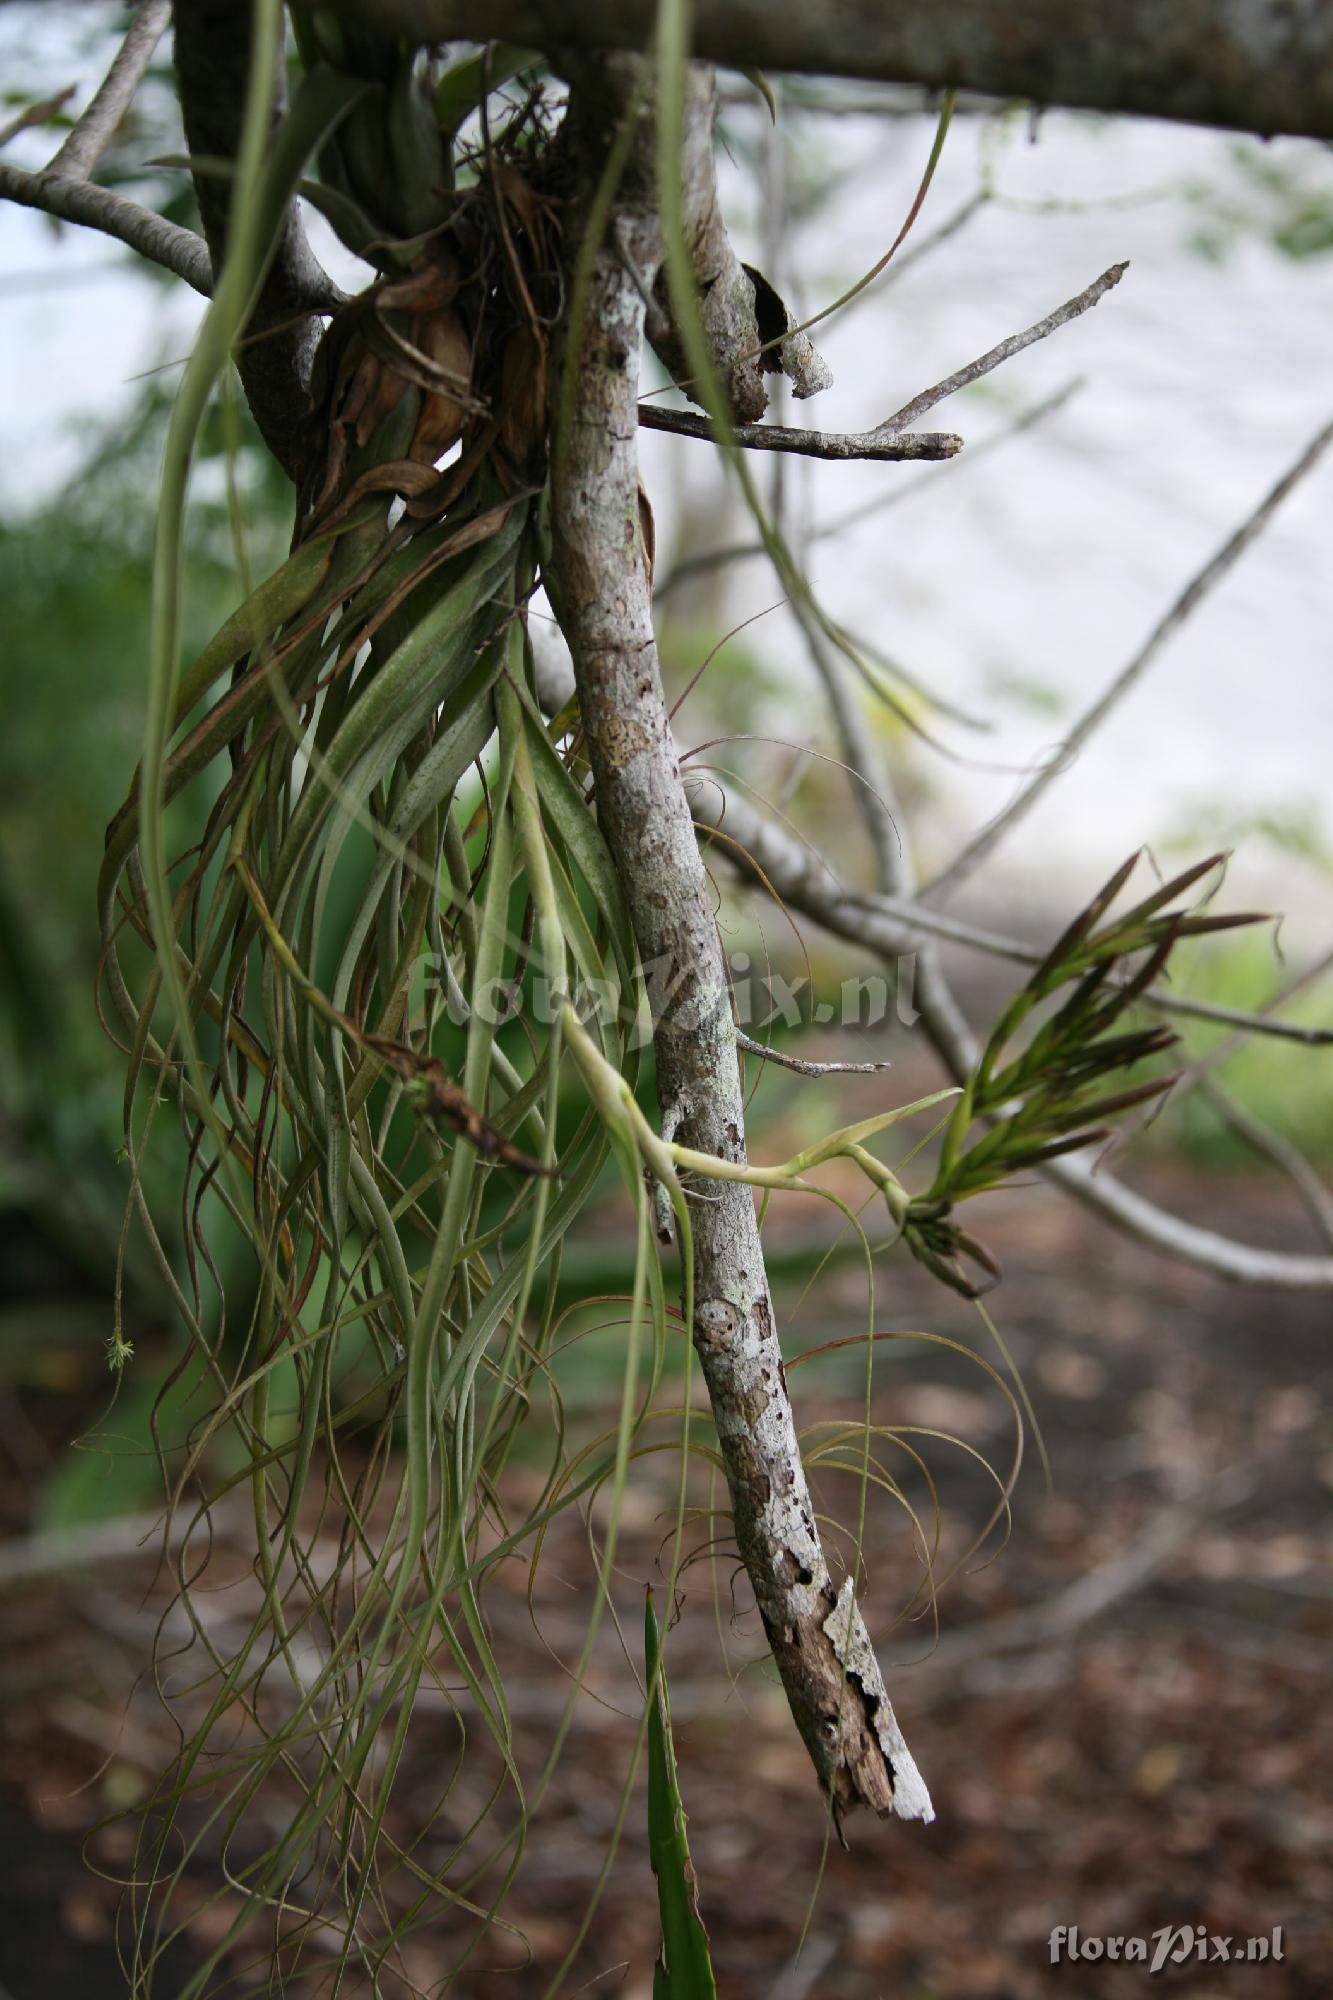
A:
[818,1639]
[35,114]
[1277,1148]
[706,560]
[96,126]
[801,1065]
[177,250]
[1089,1597]
[911,412]
[805,444]
[1205,580]
[891,924]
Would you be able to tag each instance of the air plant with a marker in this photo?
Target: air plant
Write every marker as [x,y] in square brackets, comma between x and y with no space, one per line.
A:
[381,787]
[1050,1095]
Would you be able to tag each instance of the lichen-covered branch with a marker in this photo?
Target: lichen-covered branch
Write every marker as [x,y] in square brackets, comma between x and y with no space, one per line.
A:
[818,1639]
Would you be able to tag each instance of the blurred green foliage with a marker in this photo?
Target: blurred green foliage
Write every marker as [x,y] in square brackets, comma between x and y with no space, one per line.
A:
[74,578]
[1283,1084]
[1279,193]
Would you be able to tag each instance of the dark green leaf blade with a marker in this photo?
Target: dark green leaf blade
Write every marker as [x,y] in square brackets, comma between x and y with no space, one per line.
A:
[683,1970]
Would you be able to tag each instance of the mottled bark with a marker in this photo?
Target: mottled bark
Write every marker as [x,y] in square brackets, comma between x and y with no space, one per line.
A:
[819,1642]
[749,328]
[805,443]
[1258,65]
[751,332]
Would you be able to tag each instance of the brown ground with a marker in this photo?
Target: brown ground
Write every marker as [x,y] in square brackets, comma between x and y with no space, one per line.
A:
[1158,1756]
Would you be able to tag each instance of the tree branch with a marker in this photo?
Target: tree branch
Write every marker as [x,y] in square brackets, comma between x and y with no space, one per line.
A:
[893,927]
[805,444]
[96,126]
[806,884]
[743,316]
[1264,66]
[996,356]
[1206,579]
[177,250]
[819,1642]
[213,53]
[741,311]
[705,560]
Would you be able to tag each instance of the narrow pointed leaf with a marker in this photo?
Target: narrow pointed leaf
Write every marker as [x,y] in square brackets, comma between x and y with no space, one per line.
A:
[683,1970]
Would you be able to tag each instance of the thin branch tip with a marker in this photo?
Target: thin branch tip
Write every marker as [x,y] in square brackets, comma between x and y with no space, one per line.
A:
[915,445]
[1003,351]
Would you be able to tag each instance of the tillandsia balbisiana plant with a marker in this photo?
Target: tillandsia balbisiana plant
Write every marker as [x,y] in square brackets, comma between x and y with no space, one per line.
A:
[1046,1098]
[381,785]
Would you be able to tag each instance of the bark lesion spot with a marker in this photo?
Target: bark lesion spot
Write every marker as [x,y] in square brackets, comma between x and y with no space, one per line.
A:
[622,739]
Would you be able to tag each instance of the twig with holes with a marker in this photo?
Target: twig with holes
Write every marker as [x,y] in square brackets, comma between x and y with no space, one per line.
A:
[1188,601]
[804,443]
[910,413]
